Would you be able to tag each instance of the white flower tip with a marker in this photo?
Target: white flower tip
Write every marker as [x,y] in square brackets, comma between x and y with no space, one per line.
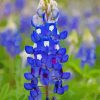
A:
[38,31]
[51,28]
[46,43]
[39,56]
[57,47]
[35,45]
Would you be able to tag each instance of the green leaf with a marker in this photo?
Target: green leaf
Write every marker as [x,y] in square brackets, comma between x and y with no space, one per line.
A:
[94,72]
[3,23]
[23,97]
[4,92]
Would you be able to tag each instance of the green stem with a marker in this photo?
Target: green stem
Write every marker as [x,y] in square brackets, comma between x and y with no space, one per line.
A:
[47,91]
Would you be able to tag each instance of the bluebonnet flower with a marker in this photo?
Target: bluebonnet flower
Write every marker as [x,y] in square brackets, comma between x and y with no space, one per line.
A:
[47,61]
[93,23]
[74,23]
[63,20]
[8,9]
[88,13]
[19,4]
[25,24]
[11,41]
[86,51]
[90,25]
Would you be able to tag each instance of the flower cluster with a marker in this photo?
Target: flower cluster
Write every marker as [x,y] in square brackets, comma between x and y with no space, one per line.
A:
[19,4]
[11,41]
[7,9]
[87,55]
[86,51]
[47,58]
[25,24]
[63,20]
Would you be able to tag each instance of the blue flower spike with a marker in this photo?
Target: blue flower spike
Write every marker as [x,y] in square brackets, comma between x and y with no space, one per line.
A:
[10,39]
[86,52]
[48,58]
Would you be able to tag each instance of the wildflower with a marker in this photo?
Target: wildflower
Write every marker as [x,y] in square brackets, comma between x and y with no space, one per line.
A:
[93,23]
[88,13]
[47,63]
[74,23]
[5,9]
[8,8]
[63,20]
[48,56]
[86,51]
[11,41]
[25,24]
[19,4]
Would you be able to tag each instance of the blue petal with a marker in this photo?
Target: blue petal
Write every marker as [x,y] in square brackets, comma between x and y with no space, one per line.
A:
[44,58]
[36,71]
[35,37]
[28,76]
[29,86]
[64,58]
[66,75]
[60,90]
[35,81]
[38,91]
[63,34]
[62,51]
[30,60]
[39,97]
[56,86]
[29,49]
[19,4]
[30,98]
[33,93]
[49,62]
[38,63]
[44,81]
[57,66]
